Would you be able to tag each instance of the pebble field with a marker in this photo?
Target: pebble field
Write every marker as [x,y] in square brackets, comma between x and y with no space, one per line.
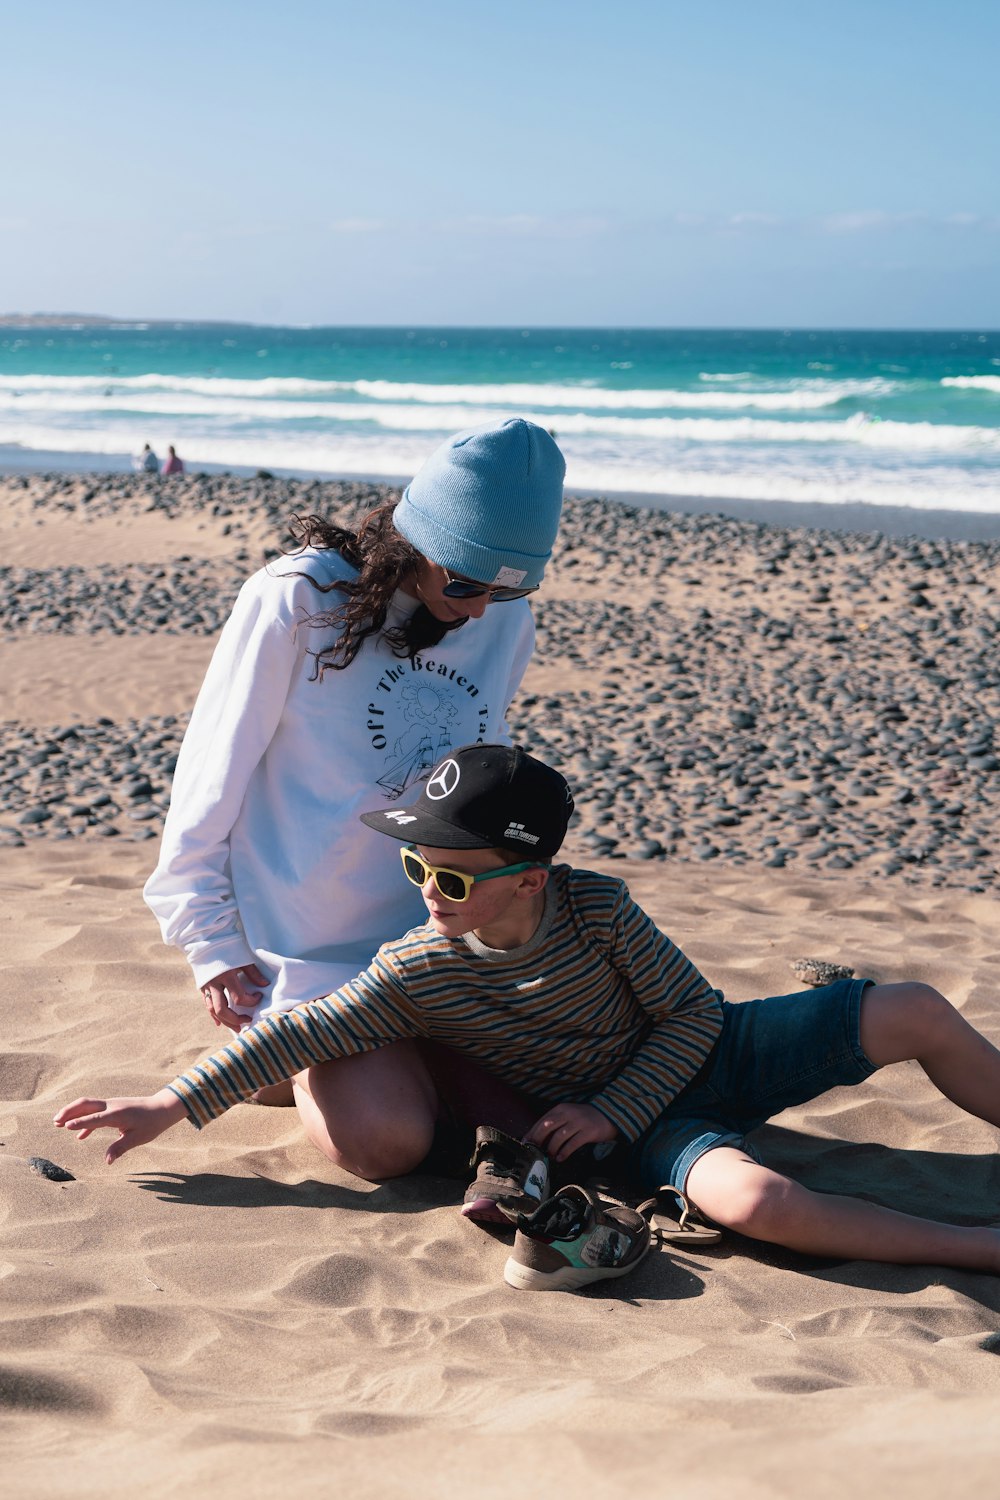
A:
[714,689]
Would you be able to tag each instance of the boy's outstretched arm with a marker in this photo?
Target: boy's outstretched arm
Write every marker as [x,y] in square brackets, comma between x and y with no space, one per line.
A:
[277,1047]
[138,1121]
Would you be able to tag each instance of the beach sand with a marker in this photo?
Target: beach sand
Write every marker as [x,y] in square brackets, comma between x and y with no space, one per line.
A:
[224,1309]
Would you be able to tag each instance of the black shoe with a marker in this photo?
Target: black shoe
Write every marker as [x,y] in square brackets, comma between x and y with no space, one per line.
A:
[505,1168]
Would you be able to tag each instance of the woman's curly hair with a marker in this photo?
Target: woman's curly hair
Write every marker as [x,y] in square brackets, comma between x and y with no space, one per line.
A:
[383,558]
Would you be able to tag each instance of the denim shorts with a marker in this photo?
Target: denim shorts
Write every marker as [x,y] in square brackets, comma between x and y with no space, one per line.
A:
[770,1055]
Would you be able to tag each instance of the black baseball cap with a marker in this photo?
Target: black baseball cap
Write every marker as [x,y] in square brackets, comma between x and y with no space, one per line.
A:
[485,797]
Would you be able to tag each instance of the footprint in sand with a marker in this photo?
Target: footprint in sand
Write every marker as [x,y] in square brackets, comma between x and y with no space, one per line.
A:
[32,1390]
[796,1385]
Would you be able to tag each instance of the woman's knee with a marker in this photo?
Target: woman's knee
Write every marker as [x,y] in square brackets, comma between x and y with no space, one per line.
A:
[373,1115]
[380,1150]
[391,1156]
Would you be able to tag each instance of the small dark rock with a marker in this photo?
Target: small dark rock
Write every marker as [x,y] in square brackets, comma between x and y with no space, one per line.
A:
[48,1169]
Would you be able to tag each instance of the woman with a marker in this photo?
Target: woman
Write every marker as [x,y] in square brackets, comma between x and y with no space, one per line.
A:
[343,674]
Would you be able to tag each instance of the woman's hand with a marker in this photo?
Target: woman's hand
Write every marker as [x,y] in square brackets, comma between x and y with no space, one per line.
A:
[138,1121]
[240,987]
[566,1127]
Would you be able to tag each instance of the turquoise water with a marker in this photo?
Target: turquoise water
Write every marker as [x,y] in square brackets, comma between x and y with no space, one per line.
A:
[895,418]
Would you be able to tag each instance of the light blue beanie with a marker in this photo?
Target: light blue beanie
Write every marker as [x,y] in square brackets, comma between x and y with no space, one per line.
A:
[486,503]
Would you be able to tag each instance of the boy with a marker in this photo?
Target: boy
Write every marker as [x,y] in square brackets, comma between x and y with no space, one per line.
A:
[555,981]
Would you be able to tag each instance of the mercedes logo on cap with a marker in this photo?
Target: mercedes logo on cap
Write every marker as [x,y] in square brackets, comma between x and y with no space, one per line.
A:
[444,781]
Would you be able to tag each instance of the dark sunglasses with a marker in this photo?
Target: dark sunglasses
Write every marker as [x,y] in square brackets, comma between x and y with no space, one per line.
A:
[454,885]
[465,588]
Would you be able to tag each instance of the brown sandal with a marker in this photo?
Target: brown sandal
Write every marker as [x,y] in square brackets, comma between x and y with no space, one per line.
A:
[687,1230]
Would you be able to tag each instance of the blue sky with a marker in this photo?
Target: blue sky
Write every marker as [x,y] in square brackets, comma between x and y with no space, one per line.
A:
[547,162]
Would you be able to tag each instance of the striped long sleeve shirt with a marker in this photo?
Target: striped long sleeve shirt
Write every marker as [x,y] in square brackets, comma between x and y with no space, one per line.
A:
[598,1007]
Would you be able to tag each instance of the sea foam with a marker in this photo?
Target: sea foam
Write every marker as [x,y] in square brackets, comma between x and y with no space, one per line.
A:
[767,396]
[268,417]
[973,382]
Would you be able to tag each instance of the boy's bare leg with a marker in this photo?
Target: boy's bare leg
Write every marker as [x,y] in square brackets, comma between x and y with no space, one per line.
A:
[732,1189]
[372,1114]
[900,1022]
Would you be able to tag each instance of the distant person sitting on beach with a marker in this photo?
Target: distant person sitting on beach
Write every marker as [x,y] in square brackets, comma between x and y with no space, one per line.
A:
[342,675]
[146,462]
[561,985]
[173,464]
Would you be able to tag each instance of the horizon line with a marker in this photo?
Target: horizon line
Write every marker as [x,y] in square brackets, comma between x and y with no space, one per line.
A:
[102,320]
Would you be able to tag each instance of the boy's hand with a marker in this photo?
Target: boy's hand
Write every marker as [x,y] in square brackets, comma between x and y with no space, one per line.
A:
[566,1127]
[240,987]
[138,1121]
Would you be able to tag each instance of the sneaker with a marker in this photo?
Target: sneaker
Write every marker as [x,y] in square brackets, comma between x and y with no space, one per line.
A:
[572,1239]
[504,1168]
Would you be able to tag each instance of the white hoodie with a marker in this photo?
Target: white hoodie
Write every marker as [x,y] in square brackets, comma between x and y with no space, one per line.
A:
[263,857]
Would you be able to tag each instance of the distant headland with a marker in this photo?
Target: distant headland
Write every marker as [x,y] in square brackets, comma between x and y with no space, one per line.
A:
[98,320]
[58,320]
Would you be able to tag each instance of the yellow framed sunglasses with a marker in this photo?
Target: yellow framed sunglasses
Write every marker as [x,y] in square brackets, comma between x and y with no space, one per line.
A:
[454,885]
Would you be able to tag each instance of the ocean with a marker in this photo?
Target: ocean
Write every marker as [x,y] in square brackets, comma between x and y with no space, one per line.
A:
[905,419]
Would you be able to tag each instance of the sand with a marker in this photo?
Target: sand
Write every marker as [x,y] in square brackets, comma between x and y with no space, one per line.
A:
[225,1309]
